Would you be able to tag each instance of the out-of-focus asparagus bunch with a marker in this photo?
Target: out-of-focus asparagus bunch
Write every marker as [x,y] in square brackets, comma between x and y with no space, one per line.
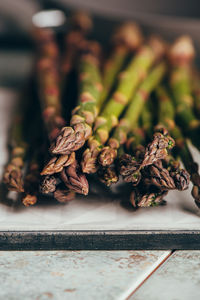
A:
[13,173]
[80,25]
[19,140]
[134,114]
[166,117]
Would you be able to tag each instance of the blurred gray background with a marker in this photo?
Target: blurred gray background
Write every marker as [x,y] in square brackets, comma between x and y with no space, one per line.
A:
[15,15]
[168,18]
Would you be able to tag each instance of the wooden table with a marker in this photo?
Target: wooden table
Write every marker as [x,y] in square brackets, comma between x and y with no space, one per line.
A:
[151,275]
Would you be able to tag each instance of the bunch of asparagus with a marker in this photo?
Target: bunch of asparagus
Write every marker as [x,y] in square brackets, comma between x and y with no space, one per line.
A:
[135,113]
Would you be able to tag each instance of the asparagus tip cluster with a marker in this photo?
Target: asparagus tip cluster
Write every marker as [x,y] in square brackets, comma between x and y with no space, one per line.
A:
[56,164]
[147,199]
[130,166]
[159,147]
[74,179]
[48,184]
[89,160]
[167,175]
[107,156]
[108,175]
[13,175]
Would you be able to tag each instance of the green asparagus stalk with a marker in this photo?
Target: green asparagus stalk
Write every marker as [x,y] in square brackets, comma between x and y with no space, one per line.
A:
[50,99]
[147,119]
[49,96]
[166,115]
[72,138]
[81,22]
[45,42]
[181,56]
[196,92]
[13,176]
[126,39]
[80,25]
[132,114]
[136,137]
[129,80]
[48,81]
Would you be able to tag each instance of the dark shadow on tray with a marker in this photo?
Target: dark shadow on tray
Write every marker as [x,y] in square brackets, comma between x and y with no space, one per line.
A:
[187,207]
[99,193]
[7,199]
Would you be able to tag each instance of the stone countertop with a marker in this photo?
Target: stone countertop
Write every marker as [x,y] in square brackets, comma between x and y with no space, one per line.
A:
[120,275]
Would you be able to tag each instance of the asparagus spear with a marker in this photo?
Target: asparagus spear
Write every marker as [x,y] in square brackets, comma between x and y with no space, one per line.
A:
[32,176]
[126,39]
[108,175]
[152,199]
[133,111]
[129,164]
[50,100]
[196,92]
[80,25]
[45,42]
[64,195]
[181,55]
[166,175]
[130,167]
[128,83]
[56,164]
[147,197]
[147,119]
[31,183]
[166,114]
[72,138]
[81,22]
[48,81]
[48,184]
[74,179]
[49,96]
[13,173]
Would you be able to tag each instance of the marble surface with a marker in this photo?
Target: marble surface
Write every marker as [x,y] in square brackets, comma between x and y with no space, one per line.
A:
[178,278]
[75,275]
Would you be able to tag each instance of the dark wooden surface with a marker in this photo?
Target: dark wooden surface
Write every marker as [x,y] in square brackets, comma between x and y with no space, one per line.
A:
[100,240]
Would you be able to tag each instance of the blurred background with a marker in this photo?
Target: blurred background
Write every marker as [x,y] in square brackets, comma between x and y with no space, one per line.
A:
[169,18]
